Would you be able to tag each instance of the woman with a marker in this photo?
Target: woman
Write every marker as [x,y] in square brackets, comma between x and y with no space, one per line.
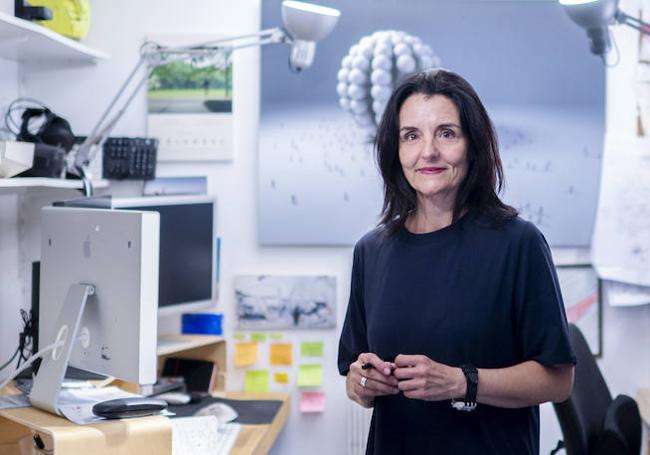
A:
[455,330]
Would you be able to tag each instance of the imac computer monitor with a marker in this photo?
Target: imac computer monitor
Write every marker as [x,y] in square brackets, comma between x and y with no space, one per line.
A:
[99,279]
[187,249]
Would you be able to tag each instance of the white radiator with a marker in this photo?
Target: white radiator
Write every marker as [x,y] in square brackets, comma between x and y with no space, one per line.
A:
[358,427]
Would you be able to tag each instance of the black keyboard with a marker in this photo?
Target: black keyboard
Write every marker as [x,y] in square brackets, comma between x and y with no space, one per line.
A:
[129,158]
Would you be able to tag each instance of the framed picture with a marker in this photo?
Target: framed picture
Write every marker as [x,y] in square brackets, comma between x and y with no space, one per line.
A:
[582,294]
[285,302]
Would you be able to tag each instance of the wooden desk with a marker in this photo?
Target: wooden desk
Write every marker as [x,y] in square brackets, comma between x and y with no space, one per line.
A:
[147,435]
[643,400]
[258,439]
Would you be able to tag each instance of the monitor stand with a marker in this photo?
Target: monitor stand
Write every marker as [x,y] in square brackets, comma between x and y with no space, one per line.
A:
[47,383]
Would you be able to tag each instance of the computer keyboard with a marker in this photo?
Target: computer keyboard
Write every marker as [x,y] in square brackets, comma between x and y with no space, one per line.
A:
[203,436]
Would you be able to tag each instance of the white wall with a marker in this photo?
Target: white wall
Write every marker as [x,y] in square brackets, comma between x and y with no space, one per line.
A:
[80,94]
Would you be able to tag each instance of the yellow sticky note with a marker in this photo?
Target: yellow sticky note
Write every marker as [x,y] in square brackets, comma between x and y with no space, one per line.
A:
[256,381]
[310,375]
[281,353]
[245,354]
[311,349]
[261,337]
[281,378]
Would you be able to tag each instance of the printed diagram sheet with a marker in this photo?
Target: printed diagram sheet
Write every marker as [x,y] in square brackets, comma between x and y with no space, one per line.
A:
[621,243]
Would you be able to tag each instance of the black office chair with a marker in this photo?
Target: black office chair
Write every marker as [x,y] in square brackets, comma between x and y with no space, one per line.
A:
[592,423]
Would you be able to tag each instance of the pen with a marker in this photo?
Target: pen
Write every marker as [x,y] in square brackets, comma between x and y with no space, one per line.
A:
[366,366]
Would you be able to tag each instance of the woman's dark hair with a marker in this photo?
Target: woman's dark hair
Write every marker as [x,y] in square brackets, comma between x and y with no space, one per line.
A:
[484,179]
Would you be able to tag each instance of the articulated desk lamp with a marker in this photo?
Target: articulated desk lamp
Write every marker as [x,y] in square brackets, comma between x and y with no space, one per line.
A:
[595,16]
[304,25]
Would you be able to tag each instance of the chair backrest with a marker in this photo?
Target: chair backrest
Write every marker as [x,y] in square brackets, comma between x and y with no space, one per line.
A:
[582,415]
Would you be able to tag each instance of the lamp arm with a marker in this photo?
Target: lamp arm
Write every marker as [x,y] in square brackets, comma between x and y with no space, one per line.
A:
[635,23]
[153,54]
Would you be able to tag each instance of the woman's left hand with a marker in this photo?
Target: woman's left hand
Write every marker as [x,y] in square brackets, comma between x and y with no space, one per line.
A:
[424,379]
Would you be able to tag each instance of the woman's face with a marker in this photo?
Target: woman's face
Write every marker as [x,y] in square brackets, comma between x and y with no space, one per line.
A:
[432,147]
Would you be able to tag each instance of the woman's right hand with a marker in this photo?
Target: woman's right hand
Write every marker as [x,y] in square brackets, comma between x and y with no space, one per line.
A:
[379,379]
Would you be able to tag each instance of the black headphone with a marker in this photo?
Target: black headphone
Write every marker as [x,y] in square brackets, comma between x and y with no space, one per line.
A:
[55,130]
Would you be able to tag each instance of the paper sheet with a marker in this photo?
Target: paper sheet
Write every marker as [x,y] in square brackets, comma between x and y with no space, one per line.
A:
[14,401]
[621,242]
[312,402]
[310,375]
[77,404]
[202,436]
[281,353]
[622,294]
[245,354]
[256,381]
[311,349]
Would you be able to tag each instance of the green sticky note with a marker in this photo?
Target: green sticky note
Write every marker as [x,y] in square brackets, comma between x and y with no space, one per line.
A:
[259,337]
[256,381]
[310,375]
[275,336]
[311,349]
[239,336]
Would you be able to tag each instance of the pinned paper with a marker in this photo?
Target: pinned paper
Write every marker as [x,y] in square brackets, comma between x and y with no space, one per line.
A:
[245,354]
[281,353]
[281,378]
[260,337]
[256,381]
[311,349]
[310,375]
[275,336]
[312,402]
[239,336]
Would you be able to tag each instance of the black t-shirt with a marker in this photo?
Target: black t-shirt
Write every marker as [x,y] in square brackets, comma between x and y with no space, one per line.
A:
[473,292]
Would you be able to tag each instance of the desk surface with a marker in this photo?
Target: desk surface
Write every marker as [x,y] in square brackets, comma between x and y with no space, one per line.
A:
[252,439]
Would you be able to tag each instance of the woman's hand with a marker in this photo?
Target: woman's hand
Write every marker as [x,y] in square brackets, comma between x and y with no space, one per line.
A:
[364,385]
[423,379]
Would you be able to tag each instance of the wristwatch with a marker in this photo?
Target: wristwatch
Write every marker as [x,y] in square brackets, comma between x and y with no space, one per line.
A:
[471,376]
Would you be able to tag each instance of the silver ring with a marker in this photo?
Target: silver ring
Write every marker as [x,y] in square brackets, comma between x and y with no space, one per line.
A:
[363,381]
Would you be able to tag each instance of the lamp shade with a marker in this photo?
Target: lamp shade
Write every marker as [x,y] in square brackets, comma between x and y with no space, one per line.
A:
[308,22]
[594,16]
[590,14]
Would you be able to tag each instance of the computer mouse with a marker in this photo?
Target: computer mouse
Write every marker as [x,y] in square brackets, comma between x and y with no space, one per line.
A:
[129,407]
[175,398]
[221,411]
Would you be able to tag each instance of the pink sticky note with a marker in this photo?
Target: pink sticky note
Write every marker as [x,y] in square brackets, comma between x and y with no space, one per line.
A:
[312,402]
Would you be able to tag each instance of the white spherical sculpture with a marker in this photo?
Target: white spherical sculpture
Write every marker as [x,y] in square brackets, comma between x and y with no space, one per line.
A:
[371,70]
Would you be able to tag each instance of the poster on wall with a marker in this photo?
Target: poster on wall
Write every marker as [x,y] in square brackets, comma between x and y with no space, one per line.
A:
[285,302]
[582,295]
[317,178]
[190,104]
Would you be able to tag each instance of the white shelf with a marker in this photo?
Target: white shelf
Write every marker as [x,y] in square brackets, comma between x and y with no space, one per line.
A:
[26,42]
[20,183]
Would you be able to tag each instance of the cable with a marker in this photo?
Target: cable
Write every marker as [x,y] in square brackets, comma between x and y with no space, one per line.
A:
[37,356]
[16,105]
[6,364]
[29,361]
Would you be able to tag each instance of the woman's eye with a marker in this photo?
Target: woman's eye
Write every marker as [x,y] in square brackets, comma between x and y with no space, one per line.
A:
[448,134]
[410,136]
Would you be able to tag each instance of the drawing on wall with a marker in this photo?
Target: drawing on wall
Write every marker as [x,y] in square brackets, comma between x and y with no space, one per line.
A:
[581,292]
[285,302]
[190,104]
[621,249]
[317,178]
